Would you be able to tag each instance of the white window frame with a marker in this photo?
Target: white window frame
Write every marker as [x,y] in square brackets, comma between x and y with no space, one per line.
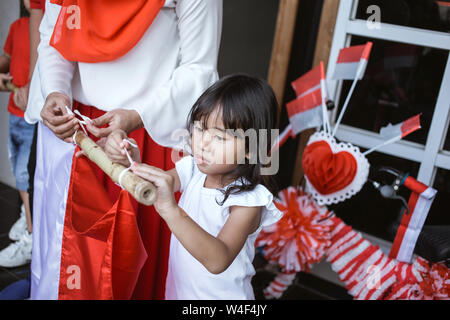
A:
[430,156]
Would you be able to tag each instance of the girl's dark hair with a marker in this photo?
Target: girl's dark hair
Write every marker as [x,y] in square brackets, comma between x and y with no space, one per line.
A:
[23,11]
[246,103]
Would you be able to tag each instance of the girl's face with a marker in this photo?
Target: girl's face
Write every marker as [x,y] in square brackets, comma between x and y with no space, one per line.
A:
[216,150]
[26,3]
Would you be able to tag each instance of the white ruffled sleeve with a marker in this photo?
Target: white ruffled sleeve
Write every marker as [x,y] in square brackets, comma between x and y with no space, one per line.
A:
[185,169]
[258,197]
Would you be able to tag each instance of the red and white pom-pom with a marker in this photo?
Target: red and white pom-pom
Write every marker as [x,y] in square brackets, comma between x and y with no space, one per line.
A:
[300,238]
[369,274]
[279,285]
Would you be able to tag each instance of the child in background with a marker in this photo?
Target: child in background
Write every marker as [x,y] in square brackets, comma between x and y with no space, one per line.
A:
[16,61]
[225,201]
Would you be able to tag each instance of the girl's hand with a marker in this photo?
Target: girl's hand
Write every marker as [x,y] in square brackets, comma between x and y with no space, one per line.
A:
[114,148]
[165,200]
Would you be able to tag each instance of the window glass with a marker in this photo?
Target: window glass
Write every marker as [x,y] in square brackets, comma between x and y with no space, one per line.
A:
[401,81]
[424,14]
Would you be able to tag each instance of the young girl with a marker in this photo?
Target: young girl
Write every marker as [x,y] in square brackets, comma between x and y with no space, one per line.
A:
[224,203]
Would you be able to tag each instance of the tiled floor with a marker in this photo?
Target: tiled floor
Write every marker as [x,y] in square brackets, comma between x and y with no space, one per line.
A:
[305,286]
[9,213]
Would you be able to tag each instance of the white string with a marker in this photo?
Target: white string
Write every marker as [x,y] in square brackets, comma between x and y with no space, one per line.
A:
[81,122]
[119,180]
[84,122]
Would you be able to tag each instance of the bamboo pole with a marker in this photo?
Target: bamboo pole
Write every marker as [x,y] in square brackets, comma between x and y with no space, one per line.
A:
[142,190]
[281,48]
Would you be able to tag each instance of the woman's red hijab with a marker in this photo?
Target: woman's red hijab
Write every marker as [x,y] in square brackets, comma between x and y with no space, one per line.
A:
[101,30]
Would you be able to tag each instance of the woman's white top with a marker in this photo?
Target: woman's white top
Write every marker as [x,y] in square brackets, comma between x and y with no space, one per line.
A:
[160,78]
[187,278]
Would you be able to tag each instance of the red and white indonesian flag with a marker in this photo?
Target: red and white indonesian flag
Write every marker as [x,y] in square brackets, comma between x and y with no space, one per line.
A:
[352,62]
[306,111]
[419,204]
[85,246]
[401,129]
[393,133]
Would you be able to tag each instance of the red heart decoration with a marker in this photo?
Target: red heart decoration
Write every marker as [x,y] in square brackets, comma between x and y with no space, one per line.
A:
[328,172]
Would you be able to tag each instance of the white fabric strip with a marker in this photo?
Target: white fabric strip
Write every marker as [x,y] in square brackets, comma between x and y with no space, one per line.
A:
[49,212]
[419,215]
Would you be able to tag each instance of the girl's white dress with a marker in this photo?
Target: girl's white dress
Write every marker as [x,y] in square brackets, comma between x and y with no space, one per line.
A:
[187,278]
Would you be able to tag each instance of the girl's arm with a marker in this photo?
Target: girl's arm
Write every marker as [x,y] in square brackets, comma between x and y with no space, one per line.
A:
[214,253]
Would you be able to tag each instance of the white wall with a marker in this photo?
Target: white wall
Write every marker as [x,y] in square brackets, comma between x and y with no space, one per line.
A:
[9,11]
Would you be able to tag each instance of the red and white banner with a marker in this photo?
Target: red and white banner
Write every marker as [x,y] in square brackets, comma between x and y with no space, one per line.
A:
[308,109]
[352,62]
[90,239]
[409,229]
[305,112]
[84,245]
[401,129]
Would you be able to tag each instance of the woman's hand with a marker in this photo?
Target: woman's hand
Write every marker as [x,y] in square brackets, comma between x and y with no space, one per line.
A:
[114,148]
[164,182]
[55,116]
[126,120]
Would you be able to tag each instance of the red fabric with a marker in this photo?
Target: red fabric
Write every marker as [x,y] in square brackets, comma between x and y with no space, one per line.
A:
[17,46]
[155,232]
[328,172]
[37,4]
[82,34]
[102,251]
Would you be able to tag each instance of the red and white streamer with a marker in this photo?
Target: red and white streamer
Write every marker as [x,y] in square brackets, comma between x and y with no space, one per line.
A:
[300,238]
[369,274]
[409,229]
[279,285]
